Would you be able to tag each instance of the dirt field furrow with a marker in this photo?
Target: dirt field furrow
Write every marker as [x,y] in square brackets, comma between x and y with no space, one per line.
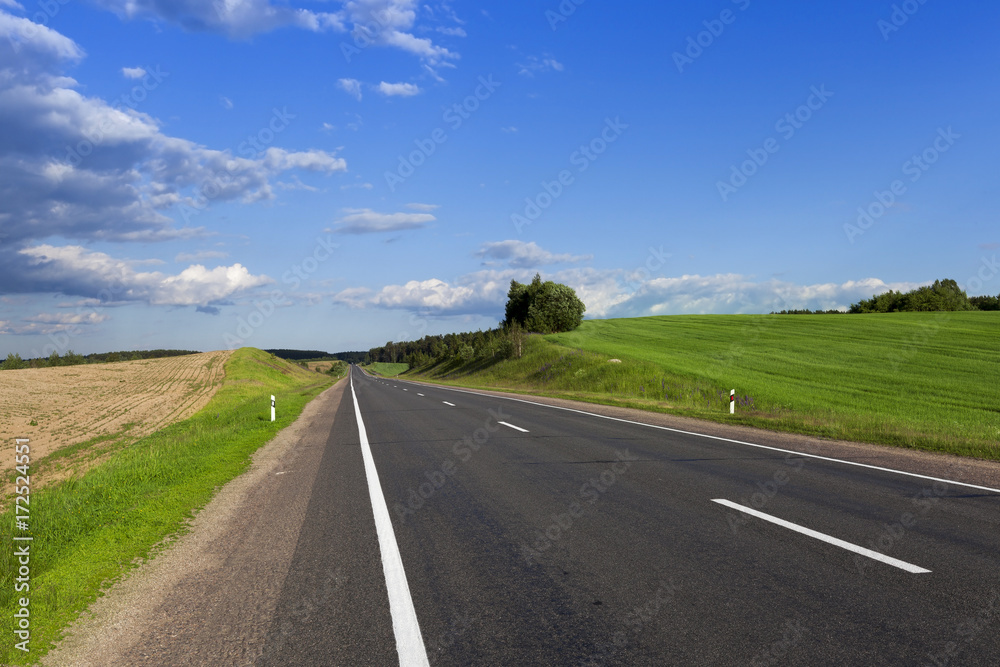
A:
[63,406]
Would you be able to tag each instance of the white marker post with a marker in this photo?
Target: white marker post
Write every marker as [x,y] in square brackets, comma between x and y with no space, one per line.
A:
[732,402]
[272,407]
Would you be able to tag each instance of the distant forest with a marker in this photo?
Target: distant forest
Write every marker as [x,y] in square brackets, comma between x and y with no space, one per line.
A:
[14,361]
[318,355]
[943,295]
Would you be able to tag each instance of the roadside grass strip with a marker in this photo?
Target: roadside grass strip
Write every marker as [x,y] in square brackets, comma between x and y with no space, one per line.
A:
[89,530]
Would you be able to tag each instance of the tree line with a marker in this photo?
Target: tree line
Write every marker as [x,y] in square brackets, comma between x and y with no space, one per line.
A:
[537,307]
[943,295]
[71,358]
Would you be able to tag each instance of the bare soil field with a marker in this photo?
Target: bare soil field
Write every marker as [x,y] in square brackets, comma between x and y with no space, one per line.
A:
[99,407]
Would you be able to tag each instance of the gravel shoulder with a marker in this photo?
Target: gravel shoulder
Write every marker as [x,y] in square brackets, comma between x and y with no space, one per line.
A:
[209,597]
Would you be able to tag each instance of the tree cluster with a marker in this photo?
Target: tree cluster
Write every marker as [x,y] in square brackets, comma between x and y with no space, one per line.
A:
[538,307]
[942,295]
[543,307]
[494,345]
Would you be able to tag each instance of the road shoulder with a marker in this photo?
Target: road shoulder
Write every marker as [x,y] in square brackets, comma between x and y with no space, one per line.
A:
[153,616]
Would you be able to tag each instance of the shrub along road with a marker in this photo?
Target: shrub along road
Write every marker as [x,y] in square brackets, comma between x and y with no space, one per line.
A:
[536,535]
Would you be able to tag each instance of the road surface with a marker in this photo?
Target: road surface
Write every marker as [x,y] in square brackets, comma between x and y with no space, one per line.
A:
[515,533]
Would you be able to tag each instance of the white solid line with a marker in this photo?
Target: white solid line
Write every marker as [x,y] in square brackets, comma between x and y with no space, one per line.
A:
[409,642]
[447,403]
[720,438]
[516,428]
[419,394]
[903,565]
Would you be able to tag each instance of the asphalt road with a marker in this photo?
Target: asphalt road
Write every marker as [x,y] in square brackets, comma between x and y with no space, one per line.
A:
[537,536]
[505,532]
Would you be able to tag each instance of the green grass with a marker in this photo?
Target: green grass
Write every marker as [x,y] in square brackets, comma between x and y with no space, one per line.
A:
[387,370]
[91,529]
[923,380]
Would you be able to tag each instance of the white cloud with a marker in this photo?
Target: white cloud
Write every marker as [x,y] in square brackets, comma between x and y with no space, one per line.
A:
[509,130]
[536,65]
[481,293]
[416,206]
[35,47]
[367,221]
[133,72]
[617,293]
[80,168]
[238,19]
[357,186]
[379,22]
[387,23]
[452,32]
[45,324]
[351,86]
[73,270]
[521,255]
[225,102]
[398,89]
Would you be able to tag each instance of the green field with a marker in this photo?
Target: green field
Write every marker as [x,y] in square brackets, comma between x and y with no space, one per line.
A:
[90,530]
[924,380]
[387,370]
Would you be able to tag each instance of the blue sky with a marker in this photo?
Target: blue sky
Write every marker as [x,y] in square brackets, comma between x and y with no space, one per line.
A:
[334,175]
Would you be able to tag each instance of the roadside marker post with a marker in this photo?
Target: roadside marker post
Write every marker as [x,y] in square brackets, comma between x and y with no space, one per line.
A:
[272,407]
[732,402]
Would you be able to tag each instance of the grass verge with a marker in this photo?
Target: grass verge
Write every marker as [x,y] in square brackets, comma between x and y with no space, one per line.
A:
[387,370]
[920,380]
[89,530]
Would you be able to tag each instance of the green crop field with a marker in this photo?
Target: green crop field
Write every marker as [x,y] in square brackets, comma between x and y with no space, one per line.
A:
[89,530]
[924,380]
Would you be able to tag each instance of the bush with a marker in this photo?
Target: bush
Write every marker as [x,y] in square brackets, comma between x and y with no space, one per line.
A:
[13,363]
[545,307]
